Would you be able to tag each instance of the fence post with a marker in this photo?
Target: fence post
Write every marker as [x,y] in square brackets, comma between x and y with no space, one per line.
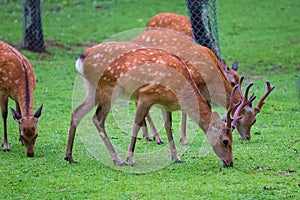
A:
[33,33]
[203,16]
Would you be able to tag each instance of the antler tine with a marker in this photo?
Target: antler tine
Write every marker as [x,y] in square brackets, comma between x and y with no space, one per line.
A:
[261,102]
[240,84]
[244,102]
[232,106]
[247,101]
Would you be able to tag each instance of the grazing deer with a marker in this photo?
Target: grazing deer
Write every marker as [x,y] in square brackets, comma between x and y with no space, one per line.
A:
[216,87]
[182,24]
[96,60]
[17,81]
[152,76]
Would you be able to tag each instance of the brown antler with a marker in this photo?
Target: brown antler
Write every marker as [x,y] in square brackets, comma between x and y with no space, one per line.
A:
[241,104]
[261,102]
[232,106]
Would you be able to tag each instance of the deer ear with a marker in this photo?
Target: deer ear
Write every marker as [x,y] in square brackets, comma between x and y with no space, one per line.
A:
[17,116]
[235,66]
[38,112]
[215,116]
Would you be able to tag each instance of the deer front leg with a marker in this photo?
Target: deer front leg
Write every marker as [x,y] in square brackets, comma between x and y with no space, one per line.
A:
[4,103]
[135,131]
[168,127]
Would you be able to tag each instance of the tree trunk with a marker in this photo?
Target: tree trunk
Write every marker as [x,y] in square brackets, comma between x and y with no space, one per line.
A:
[33,33]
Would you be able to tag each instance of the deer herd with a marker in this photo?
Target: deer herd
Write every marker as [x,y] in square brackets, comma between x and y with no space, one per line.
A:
[162,66]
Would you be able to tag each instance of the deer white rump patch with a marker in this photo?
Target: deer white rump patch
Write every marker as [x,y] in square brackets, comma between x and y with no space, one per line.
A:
[79,66]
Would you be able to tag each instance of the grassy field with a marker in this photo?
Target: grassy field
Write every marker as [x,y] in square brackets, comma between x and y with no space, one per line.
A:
[264,36]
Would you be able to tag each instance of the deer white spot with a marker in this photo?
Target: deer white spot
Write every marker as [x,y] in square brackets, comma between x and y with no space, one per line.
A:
[4,78]
[134,61]
[96,56]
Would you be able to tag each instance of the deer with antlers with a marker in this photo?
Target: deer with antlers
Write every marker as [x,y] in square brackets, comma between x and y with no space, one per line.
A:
[182,24]
[148,76]
[17,81]
[216,87]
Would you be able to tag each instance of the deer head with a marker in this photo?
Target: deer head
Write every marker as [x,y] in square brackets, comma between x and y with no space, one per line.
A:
[249,114]
[223,142]
[231,74]
[28,129]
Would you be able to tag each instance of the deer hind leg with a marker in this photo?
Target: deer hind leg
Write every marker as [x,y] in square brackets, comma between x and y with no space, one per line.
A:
[4,104]
[183,139]
[142,109]
[145,131]
[154,131]
[99,120]
[85,107]
[168,127]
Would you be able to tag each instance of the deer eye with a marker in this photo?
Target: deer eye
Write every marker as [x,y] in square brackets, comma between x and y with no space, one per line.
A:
[225,142]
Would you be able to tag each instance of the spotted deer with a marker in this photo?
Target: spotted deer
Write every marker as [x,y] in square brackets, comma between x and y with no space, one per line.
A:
[182,24]
[96,60]
[17,81]
[151,76]
[216,87]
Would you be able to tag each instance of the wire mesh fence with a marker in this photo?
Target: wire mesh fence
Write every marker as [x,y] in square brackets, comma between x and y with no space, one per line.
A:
[33,33]
[204,21]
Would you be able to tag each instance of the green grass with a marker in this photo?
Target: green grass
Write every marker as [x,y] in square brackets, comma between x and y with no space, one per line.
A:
[262,35]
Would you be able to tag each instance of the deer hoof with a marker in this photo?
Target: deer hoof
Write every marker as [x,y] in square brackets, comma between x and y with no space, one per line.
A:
[149,139]
[6,150]
[123,164]
[160,142]
[120,163]
[70,159]
[178,161]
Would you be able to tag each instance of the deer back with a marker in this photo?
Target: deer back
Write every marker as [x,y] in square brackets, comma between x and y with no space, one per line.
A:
[172,21]
[93,61]
[157,74]
[205,62]
[17,77]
